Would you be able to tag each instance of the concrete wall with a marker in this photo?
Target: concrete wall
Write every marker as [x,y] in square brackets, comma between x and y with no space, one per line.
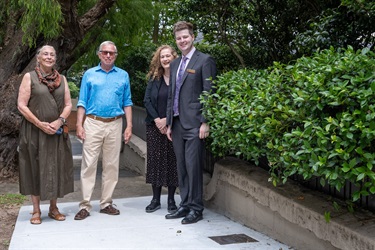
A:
[134,156]
[290,213]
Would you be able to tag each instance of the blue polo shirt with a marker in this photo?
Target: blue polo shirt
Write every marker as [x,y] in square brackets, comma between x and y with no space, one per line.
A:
[105,94]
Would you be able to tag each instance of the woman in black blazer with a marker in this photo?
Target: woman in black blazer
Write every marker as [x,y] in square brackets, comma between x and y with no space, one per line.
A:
[161,160]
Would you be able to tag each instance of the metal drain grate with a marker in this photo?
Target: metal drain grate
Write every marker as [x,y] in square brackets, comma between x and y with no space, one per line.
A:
[232,239]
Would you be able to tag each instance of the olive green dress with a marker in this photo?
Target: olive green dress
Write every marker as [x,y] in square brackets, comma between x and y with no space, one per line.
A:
[45,161]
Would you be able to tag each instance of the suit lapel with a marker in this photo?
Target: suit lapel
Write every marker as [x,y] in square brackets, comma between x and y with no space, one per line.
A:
[190,65]
[174,68]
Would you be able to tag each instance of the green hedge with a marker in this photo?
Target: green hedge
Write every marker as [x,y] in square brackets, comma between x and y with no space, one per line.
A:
[314,118]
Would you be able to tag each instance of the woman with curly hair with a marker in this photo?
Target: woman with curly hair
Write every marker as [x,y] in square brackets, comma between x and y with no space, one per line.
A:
[161,160]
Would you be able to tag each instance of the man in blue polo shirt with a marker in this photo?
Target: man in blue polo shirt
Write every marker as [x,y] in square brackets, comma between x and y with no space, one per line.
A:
[104,98]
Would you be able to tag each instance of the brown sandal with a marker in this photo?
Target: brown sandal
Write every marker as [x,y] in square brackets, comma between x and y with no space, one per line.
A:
[56,215]
[36,220]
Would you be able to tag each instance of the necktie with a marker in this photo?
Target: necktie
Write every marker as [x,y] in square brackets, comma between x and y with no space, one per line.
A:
[178,85]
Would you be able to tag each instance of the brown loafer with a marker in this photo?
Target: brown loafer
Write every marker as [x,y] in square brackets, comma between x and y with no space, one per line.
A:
[110,210]
[82,214]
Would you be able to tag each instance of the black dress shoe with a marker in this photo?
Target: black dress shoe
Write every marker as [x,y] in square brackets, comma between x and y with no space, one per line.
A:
[192,217]
[154,205]
[181,212]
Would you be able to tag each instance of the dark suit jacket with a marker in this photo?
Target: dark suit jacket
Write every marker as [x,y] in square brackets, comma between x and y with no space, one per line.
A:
[195,80]
[151,100]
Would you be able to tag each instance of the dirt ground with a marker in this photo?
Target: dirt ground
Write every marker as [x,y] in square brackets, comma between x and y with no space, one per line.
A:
[8,218]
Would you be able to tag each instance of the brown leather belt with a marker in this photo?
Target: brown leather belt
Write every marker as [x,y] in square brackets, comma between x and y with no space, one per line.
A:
[98,118]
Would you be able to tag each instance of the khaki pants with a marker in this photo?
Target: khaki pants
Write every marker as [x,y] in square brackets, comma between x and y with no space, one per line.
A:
[106,138]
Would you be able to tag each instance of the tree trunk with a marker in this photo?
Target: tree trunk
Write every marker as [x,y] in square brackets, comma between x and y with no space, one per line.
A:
[16,59]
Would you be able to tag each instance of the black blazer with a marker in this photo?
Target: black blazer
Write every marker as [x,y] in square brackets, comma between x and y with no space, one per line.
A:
[195,80]
[151,100]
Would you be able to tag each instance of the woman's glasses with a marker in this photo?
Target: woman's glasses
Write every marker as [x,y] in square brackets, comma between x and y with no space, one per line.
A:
[111,53]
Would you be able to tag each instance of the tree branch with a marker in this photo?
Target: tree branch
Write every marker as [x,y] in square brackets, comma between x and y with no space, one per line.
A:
[91,17]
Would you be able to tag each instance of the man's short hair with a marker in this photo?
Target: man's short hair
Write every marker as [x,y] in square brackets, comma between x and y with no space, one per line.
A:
[106,43]
[183,25]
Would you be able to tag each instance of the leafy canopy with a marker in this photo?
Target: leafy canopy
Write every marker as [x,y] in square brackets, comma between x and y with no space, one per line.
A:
[42,17]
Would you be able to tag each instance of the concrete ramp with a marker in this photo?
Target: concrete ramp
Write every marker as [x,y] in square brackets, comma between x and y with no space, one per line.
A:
[134,229]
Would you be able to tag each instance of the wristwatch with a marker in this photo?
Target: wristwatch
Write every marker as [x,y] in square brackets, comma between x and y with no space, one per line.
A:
[62,119]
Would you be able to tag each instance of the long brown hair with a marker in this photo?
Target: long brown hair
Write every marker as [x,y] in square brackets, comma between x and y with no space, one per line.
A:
[156,70]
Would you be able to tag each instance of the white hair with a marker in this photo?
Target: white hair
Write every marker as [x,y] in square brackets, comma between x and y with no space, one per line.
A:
[106,43]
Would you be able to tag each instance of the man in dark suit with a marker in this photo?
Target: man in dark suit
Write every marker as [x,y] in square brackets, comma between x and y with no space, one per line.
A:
[187,128]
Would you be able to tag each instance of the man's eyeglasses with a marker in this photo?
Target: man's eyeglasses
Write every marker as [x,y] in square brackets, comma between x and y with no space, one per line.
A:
[111,53]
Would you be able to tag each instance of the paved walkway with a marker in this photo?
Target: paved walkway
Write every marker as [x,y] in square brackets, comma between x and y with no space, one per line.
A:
[133,228]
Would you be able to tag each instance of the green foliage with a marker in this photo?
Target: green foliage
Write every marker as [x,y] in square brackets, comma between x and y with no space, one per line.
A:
[127,24]
[232,114]
[336,206]
[314,118]
[350,207]
[74,90]
[136,63]
[259,33]
[225,59]
[42,17]
[327,216]
[339,27]
[10,199]
[164,16]
[355,5]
